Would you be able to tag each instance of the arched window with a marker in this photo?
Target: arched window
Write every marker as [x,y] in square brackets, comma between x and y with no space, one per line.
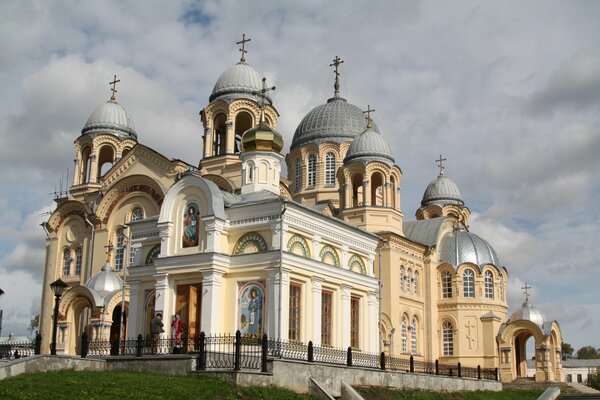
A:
[119,249]
[416,283]
[409,279]
[489,285]
[220,130]
[137,214]
[448,338]
[404,333]
[446,285]
[413,336]
[78,254]
[298,176]
[402,278]
[67,262]
[468,283]
[330,169]
[312,170]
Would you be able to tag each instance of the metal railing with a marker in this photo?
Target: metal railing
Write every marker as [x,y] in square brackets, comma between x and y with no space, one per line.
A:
[237,352]
[15,349]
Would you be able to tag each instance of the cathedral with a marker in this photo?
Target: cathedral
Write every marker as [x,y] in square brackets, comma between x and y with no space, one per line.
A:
[323,255]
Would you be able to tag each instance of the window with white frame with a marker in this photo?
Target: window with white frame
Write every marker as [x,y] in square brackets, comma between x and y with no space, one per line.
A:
[446,285]
[468,283]
[312,170]
[330,169]
[404,333]
[119,249]
[402,278]
[409,281]
[489,285]
[416,283]
[66,262]
[78,254]
[448,338]
[413,336]
[298,175]
[137,214]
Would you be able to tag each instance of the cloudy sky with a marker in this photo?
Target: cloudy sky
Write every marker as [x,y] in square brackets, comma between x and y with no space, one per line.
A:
[508,92]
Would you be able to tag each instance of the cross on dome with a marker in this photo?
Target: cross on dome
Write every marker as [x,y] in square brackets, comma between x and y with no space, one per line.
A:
[336,86]
[440,163]
[114,87]
[368,117]
[243,49]
[526,291]
[262,94]
[109,249]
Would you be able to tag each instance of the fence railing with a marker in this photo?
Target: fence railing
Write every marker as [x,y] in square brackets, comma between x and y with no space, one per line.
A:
[15,349]
[237,352]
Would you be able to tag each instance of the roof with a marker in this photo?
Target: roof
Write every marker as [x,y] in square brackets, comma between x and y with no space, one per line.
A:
[424,231]
[370,146]
[459,247]
[442,190]
[238,81]
[337,121]
[110,117]
[104,282]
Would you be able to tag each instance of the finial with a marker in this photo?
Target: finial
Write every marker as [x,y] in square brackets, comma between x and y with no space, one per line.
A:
[526,289]
[440,163]
[368,117]
[262,95]
[114,87]
[109,248]
[243,49]
[336,86]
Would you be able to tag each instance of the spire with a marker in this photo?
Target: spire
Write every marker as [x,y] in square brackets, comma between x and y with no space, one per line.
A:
[336,86]
[526,291]
[114,87]
[109,250]
[243,49]
[440,163]
[368,117]
[262,94]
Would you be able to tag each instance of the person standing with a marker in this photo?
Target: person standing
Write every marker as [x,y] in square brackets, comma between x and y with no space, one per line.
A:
[156,328]
[177,328]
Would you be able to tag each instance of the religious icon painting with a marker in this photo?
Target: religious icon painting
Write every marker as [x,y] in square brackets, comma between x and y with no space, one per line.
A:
[251,305]
[190,226]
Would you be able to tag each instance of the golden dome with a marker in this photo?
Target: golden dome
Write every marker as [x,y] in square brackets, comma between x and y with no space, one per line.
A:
[262,138]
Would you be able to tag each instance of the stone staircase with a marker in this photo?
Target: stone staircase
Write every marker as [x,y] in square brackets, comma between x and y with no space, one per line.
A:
[567,390]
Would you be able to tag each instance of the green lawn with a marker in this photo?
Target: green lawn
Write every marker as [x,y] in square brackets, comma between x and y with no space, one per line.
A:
[87,385]
[373,393]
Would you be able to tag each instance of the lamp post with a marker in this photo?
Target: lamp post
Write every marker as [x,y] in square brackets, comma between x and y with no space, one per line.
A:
[1,294]
[58,288]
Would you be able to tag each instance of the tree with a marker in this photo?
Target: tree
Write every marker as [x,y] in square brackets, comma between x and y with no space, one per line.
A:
[34,324]
[566,350]
[594,380]
[587,352]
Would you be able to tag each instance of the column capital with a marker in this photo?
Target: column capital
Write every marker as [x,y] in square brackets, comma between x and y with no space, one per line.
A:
[345,291]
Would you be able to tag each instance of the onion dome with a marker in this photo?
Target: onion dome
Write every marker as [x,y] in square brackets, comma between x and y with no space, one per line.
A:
[369,146]
[459,247]
[528,312]
[262,138]
[442,191]
[336,121]
[105,281]
[238,81]
[110,117]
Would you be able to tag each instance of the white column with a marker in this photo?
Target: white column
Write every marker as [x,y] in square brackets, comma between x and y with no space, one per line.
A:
[208,141]
[373,323]
[316,244]
[166,239]
[135,313]
[345,309]
[162,293]
[214,229]
[277,324]
[93,167]
[276,236]
[344,260]
[317,292]
[212,307]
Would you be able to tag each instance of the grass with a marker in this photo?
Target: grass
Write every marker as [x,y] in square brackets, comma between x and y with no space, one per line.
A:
[109,385]
[376,393]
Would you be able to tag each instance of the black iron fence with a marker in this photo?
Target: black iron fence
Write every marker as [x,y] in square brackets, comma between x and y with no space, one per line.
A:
[15,349]
[237,352]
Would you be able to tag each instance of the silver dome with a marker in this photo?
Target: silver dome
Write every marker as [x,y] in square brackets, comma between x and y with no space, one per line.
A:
[369,146]
[110,117]
[527,312]
[105,281]
[238,81]
[459,247]
[442,190]
[336,121]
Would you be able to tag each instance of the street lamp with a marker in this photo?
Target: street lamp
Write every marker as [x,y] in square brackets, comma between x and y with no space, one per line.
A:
[1,294]
[58,288]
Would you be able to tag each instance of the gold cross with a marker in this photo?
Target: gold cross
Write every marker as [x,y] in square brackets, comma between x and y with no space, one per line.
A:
[243,49]
[368,117]
[526,288]
[440,162]
[114,87]
[109,248]
[262,94]
[336,62]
